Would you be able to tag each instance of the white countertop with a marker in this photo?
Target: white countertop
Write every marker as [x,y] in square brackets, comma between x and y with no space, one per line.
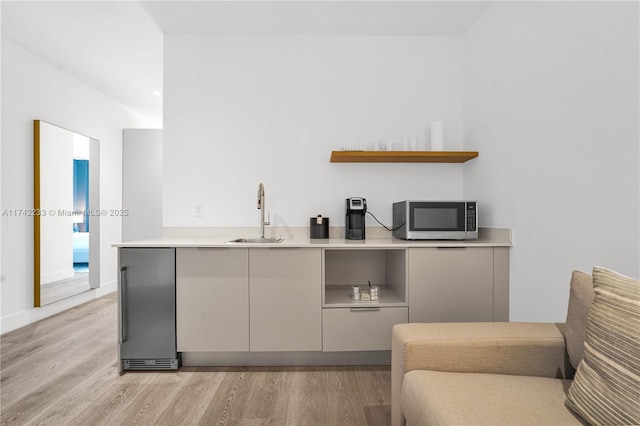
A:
[489,237]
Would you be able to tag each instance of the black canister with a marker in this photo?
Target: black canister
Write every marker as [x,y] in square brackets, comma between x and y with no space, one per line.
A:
[319,227]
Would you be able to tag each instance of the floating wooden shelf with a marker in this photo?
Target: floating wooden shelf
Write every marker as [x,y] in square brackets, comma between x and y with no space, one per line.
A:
[402,156]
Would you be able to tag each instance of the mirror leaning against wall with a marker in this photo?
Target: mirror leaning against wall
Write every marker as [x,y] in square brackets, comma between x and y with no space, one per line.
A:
[67,213]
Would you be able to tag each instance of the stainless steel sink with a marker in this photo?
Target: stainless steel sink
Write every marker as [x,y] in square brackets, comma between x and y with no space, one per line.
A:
[258,240]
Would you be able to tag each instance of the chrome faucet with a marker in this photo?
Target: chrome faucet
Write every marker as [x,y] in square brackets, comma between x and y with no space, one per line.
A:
[261,204]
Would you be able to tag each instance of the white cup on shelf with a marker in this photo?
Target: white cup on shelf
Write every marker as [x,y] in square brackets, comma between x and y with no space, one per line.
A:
[437,136]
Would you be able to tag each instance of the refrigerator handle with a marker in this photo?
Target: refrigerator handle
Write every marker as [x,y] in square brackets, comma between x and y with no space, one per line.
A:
[124,323]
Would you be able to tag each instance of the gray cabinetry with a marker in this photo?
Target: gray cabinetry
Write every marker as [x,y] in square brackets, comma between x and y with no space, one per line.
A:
[285,299]
[212,297]
[262,300]
[453,284]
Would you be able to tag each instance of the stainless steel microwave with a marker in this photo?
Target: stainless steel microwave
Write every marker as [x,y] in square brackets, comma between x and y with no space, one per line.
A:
[435,220]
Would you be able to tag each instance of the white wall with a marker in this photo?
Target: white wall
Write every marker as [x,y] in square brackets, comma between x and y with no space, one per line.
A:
[243,110]
[551,103]
[142,184]
[34,89]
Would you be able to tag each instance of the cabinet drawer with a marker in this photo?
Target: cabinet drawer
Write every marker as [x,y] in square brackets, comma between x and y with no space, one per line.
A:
[360,329]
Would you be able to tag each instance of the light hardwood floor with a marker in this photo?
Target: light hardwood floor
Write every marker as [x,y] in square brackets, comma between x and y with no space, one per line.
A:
[62,371]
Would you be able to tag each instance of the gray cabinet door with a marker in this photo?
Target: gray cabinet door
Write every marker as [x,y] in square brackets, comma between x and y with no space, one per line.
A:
[212,295]
[147,303]
[285,299]
[451,284]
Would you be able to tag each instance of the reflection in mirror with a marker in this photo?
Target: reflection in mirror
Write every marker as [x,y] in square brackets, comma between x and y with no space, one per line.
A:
[66,219]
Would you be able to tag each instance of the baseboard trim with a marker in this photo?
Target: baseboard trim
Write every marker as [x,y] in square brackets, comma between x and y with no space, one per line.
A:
[262,359]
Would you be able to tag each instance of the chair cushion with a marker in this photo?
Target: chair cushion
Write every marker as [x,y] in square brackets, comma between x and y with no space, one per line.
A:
[606,389]
[581,296]
[445,398]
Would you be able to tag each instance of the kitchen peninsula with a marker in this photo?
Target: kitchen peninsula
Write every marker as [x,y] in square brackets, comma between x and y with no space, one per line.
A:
[292,303]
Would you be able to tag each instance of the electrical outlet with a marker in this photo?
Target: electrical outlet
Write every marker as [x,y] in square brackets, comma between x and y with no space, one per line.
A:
[199,210]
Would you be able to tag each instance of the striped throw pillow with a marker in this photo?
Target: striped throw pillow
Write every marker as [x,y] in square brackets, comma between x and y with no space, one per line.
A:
[606,387]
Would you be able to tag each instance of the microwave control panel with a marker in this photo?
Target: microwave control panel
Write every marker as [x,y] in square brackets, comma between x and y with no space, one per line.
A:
[471,217]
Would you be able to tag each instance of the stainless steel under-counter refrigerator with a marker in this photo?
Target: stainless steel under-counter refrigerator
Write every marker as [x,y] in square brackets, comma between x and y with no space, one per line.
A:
[147,309]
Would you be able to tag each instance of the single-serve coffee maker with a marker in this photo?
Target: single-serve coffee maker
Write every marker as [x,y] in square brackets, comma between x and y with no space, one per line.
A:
[354,224]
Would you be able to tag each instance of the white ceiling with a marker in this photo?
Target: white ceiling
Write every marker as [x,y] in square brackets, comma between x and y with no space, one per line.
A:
[393,18]
[116,46]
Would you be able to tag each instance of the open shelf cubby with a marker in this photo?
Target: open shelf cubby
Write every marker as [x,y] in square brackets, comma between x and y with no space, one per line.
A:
[344,268]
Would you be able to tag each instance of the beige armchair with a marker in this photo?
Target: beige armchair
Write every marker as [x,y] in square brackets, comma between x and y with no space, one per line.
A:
[586,370]
[524,369]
